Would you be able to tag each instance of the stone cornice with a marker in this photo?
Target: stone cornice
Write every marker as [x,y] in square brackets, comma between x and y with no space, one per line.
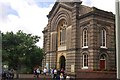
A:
[80,49]
[56,8]
[100,13]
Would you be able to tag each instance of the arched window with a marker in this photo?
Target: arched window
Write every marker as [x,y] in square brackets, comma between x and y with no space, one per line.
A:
[62,32]
[85,38]
[85,61]
[103,38]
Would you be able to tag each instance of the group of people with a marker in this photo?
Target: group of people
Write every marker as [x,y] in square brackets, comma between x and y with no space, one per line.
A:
[36,72]
[56,74]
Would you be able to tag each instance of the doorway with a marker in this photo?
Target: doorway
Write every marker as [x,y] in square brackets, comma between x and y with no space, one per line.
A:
[62,62]
[102,62]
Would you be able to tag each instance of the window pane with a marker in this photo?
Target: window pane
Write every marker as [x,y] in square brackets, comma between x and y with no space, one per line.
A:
[63,33]
[85,61]
[60,37]
[85,37]
[103,37]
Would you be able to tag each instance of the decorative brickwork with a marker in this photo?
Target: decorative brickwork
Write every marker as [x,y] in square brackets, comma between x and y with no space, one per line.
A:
[79,17]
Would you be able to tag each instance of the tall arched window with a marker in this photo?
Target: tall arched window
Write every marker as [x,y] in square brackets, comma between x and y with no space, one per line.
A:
[85,38]
[103,38]
[62,32]
[85,61]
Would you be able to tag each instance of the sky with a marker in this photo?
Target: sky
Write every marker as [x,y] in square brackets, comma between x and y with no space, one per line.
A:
[30,16]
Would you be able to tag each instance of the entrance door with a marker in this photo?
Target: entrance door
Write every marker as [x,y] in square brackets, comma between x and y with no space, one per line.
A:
[62,62]
[102,64]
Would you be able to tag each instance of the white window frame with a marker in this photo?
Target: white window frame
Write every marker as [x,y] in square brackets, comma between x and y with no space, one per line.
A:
[85,39]
[85,66]
[103,39]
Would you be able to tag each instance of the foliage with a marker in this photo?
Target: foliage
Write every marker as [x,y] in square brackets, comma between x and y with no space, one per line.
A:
[19,50]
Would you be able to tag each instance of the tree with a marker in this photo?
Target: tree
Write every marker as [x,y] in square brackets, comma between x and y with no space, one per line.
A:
[19,50]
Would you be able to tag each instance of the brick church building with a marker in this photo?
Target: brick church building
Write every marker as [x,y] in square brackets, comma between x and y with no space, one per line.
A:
[78,37]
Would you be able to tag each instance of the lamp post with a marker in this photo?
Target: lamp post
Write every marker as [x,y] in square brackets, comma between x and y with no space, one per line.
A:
[117,18]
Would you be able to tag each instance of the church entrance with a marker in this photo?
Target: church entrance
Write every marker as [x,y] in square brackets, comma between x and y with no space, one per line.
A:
[62,62]
[102,64]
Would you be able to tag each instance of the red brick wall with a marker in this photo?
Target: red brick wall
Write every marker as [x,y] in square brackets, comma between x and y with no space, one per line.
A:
[96,74]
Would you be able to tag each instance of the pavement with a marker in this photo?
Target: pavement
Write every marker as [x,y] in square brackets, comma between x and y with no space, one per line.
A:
[30,77]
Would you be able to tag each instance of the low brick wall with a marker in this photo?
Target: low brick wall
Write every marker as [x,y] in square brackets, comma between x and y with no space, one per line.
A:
[96,74]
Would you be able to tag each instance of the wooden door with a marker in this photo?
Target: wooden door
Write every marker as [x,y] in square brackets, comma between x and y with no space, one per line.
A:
[102,64]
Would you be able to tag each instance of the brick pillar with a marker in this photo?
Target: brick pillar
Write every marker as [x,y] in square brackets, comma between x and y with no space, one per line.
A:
[93,36]
[74,42]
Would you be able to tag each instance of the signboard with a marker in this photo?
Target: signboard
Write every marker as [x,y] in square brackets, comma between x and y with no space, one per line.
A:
[72,68]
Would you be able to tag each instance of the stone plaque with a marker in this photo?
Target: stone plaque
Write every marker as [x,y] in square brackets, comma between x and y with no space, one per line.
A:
[72,68]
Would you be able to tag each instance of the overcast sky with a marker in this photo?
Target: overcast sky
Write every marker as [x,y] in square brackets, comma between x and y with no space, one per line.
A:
[30,15]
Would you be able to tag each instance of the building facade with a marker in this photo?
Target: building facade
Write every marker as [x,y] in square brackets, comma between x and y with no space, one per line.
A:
[78,37]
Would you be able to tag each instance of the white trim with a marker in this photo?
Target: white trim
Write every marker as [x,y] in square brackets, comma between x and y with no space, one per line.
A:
[102,38]
[85,67]
[103,47]
[86,44]
[84,47]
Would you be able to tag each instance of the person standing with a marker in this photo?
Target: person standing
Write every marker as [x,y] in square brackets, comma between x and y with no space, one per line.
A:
[38,72]
[62,71]
[44,70]
[61,76]
[34,71]
[55,73]
[52,72]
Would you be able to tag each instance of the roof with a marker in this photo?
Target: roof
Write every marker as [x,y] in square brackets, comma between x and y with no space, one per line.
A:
[89,11]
